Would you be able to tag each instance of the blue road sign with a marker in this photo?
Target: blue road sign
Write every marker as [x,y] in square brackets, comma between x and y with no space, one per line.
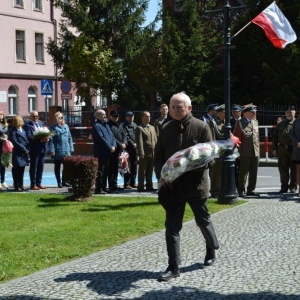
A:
[66,86]
[46,87]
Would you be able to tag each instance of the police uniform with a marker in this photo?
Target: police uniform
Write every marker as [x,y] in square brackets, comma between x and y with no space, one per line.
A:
[207,117]
[217,127]
[247,131]
[282,143]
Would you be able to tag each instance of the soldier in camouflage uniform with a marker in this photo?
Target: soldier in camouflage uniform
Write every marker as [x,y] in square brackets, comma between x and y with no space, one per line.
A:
[282,147]
[217,126]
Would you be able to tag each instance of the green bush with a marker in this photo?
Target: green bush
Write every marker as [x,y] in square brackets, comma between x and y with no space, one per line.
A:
[81,172]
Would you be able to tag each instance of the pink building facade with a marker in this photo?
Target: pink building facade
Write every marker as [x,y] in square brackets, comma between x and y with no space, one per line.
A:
[26,26]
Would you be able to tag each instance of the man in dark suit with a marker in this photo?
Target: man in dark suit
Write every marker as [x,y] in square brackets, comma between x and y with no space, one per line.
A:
[37,151]
[246,129]
[121,140]
[104,146]
[146,140]
[129,128]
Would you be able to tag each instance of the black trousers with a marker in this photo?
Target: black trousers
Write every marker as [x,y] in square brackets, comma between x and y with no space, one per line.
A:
[18,175]
[101,180]
[112,173]
[173,224]
[57,165]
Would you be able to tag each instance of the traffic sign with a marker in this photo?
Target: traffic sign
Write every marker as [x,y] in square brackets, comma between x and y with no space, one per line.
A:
[46,87]
[65,86]
[66,96]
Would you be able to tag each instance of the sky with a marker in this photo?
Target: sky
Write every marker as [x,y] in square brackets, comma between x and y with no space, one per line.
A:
[152,11]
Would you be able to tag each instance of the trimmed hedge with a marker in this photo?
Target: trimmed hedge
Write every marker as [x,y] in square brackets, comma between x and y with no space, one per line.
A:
[81,173]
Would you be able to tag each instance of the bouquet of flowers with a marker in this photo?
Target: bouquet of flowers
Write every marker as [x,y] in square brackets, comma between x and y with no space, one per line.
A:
[123,162]
[195,157]
[43,133]
[7,148]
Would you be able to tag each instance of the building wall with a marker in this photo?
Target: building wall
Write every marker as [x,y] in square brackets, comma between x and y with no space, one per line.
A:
[23,75]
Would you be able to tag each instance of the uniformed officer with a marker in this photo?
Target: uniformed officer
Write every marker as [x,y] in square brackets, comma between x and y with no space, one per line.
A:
[217,126]
[211,112]
[246,129]
[236,112]
[282,147]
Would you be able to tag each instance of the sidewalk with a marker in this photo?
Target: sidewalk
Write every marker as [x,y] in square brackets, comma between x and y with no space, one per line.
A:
[258,259]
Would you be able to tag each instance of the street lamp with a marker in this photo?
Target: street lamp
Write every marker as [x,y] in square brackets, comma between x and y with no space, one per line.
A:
[227,192]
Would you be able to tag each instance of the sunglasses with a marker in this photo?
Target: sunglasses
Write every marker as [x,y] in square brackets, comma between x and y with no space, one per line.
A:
[60,117]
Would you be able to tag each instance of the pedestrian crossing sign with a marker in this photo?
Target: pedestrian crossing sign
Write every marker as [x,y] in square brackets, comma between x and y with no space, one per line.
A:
[46,87]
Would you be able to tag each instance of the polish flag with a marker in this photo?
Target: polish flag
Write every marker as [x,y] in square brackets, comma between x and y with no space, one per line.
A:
[276,26]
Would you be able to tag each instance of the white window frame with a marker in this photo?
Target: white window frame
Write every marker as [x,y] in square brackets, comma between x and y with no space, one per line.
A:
[48,102]
[38,5]
[24,46]
[19,3]
[12,102]
[40,44]
[32,105]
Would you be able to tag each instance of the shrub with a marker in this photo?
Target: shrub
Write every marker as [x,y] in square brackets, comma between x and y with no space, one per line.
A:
[81,172]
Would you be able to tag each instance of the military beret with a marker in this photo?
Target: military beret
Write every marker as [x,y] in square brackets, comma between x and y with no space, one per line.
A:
[212,106]
[129,113]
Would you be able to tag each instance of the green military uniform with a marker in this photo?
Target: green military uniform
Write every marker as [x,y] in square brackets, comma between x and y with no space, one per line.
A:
[217,127]
[248,134]
[158,123]
[282,143]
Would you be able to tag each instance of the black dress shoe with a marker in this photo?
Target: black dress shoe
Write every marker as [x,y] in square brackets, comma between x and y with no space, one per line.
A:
[253,194]
[284,191]
[294,190]
[141,190]
[168,275]
[60,185]
[66,184]
[242,195]
[210,257]
[151,190]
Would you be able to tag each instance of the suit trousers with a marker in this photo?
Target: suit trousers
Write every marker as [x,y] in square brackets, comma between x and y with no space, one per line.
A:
[215,177]
[248,166]
[57,165]
[129,178]
[173,224]
[145,170]
[101,180]
[18,175]
[112,172]
[36,168]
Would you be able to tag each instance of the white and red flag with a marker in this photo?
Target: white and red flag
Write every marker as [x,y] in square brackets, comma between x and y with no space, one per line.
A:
[276,26]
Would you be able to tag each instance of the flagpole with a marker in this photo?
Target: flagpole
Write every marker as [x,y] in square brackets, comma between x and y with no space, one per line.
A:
[241,30]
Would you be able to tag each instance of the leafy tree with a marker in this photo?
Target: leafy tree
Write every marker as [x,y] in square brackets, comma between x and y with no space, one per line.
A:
[108,30]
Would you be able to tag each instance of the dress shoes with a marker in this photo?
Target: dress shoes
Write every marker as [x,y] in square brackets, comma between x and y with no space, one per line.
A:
[134,186]
[141,190]
[97,192]
[169,274]
[294,190]
[284,191]
[127,187]
[242,195]
[34,188]
[253,194]
[60,186]
[66,184]
[210,257]
[151,189]
[41,187]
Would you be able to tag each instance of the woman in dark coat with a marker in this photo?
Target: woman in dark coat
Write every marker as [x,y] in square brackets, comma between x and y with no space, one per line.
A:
[20,152]
[60,145]
[3,137]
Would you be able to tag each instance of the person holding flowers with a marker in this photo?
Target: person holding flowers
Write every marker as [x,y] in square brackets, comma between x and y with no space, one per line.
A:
[38,136]
[60,145]
[19,153]
[191,187]
[3,137]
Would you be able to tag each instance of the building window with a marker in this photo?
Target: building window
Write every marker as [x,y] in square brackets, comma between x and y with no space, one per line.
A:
[31,99]
[12,100]
[20,45]
[37,5]
[19,3]
[48,102]
[39,47]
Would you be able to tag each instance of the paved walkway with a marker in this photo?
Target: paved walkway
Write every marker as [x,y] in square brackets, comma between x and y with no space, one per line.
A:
[259,258]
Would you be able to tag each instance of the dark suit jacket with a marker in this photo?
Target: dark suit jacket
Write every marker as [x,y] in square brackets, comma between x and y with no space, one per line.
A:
[21,145]
[36,146]
[145,140]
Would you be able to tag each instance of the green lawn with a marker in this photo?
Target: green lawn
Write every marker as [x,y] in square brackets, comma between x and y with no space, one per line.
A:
[39,231]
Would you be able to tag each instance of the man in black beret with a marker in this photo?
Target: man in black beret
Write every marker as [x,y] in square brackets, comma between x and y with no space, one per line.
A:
[282,146]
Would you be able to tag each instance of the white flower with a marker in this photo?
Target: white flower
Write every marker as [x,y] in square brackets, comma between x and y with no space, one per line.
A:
[193,154]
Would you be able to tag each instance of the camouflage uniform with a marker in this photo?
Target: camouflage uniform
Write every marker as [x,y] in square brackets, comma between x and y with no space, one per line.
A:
[282,143]
[218,133]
